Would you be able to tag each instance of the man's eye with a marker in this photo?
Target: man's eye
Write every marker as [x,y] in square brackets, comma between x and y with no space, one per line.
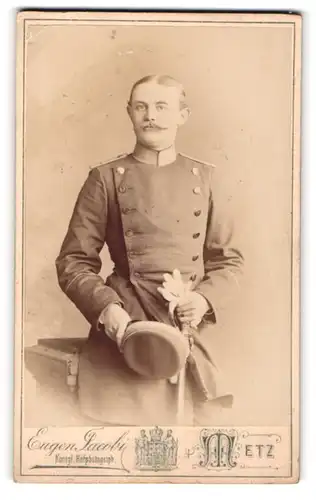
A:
[161,107]
[139,107]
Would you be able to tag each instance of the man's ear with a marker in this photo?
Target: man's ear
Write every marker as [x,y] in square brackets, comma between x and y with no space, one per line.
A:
[184,115]
[129,109]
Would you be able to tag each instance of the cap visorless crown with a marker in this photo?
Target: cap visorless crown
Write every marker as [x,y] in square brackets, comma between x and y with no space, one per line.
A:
[154,350]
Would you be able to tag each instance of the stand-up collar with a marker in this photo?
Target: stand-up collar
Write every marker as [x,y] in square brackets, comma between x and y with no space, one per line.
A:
[152,157]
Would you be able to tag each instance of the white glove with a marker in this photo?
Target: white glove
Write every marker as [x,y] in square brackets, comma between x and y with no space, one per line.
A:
[189,306]
[191,309]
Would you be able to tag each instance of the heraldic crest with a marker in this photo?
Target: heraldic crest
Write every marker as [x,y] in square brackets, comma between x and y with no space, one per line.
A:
[156,452]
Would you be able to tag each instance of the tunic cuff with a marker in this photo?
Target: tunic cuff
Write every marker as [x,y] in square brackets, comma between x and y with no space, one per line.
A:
[91,297]
[209,316]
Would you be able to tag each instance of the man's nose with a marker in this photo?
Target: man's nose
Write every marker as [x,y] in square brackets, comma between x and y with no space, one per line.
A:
[151,113]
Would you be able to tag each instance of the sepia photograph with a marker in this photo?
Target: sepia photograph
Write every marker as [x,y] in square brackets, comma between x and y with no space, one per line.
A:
[157,247]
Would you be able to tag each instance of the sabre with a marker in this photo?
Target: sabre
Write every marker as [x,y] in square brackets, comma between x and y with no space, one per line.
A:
[174,289]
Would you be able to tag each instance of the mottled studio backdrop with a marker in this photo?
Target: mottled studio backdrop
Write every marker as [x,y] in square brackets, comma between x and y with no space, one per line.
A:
[238,81]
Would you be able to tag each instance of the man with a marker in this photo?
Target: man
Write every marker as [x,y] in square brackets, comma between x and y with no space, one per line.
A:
[171,447]
[142,448]
[156,211]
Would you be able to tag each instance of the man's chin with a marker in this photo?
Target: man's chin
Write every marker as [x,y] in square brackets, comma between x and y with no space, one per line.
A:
[154,141]
[152,133]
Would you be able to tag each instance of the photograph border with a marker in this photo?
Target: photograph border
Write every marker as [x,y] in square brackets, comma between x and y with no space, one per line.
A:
[108,18]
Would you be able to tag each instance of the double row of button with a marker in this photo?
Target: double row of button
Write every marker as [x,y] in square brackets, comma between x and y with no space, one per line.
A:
[126,210]
[123,189]
[197,213]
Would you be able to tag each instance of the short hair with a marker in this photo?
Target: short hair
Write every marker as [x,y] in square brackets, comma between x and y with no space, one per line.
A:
[166,80]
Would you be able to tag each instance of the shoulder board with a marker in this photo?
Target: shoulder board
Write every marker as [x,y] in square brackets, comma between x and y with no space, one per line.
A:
[199,161]
[107,162]
[114,159]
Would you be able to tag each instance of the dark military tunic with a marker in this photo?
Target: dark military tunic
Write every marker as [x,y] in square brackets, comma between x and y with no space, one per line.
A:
[153,220]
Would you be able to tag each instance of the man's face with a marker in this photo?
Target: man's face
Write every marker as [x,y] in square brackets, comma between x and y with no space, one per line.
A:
[156,114]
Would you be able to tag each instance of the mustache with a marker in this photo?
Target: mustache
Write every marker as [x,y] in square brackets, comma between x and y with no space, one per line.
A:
[153,126]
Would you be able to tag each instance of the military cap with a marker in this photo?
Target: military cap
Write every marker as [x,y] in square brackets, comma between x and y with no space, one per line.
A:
[154,350]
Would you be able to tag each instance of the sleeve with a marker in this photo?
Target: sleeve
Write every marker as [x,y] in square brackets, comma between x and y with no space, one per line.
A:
[79,263]
[223,260]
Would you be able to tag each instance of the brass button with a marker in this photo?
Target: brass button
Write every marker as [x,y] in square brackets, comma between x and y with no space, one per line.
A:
[126,210]
[120,170]
[197,190]
[195,171]
[137,275]
[122,189]
[196,235]
[129,232]
[197,212]
[195,257]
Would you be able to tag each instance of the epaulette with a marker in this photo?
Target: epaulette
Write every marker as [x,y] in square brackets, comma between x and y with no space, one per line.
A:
[107,162]
[114,159]
[199,161]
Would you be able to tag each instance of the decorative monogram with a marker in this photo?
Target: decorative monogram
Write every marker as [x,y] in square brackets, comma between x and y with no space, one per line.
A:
[218,449]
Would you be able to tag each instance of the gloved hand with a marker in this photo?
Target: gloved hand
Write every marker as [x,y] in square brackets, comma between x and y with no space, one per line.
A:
[188,306]
[191,309]
[115,320]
